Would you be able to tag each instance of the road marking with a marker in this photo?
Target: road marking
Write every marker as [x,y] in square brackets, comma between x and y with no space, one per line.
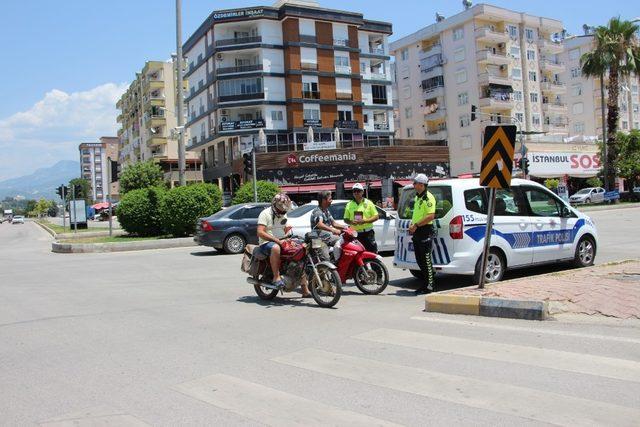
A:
[530,330]
[492,396]
[93,417]
[609,367]
[270,406]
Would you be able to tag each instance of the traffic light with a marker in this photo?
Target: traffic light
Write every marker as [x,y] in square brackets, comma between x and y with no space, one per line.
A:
[62,191]
[525,166]
[248,163]
[77,191]
[473,113]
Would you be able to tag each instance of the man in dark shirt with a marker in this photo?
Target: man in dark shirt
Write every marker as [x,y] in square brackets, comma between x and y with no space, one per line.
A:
[322,221]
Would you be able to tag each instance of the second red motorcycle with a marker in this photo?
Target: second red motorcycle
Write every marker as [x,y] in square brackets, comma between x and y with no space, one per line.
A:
[354,262]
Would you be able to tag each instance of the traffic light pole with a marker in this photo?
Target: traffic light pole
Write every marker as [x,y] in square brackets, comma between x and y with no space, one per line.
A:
[75,217]
[64,207]
[255,181]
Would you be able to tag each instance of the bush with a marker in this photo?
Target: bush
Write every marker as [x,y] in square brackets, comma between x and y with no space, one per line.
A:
[551,184]
[266,191]
[594,182]
[140,175]
[183,206]
[139,211]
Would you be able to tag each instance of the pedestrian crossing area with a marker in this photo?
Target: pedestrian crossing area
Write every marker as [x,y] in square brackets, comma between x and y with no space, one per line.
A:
[266,404]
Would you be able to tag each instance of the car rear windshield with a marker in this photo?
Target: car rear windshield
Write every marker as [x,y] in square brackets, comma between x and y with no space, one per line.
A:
[442,193]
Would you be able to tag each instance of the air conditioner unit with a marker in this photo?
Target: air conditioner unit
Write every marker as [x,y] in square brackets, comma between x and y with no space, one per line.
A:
[224,112]
[503,67]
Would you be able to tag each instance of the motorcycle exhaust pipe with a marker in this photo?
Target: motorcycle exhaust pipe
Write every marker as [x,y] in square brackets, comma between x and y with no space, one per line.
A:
[256,282]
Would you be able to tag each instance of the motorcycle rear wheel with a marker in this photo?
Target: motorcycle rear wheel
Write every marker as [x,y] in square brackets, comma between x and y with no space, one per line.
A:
[326,294]
[373,281]
[265,294]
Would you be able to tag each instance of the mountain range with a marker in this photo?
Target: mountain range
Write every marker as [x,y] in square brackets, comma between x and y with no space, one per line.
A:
[41,183]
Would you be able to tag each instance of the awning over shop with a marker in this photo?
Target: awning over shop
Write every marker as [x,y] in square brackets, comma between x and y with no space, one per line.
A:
[403,182]
[372,184]
[307,188]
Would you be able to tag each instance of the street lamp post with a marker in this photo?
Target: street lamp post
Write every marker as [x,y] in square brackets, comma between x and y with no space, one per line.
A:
[180,96]
[109,196]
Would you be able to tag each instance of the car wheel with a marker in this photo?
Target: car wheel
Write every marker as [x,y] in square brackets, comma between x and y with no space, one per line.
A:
[234,244]
[585,252]
[496,267]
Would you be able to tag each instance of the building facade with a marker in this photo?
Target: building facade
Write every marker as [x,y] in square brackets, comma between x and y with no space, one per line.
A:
[505,63]
[585,98]
[98,164]
[148,121]
[293,77]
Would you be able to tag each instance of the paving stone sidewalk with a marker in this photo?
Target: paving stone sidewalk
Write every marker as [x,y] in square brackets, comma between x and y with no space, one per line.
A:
[611,290]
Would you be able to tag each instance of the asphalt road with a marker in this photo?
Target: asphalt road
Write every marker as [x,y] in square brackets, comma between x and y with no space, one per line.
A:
[176,337]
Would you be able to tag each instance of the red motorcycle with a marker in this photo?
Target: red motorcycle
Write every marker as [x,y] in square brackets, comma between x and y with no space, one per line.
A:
[354,262]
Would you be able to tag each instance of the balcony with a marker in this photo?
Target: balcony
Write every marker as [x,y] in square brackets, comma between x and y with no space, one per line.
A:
[304,38]
[341,42]
[239,69]
[488,34]
[378,76]
[376,50]
[553,87]
[428,73]
[434,49]
[344,96]
[497,79]
[154,84]
[550,46]
[380,101]
[307,94]
[230,126]
[555,127]
[241,97]
[554,107]
[554,67]
[437,134]
[342,69]
[155,121]
[157,140]
[435,115]
[489,56]
[238,41]
[433,92]
[496,103]
[308,65]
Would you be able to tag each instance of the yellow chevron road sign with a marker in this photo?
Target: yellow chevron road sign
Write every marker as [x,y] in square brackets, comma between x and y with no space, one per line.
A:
[497,156]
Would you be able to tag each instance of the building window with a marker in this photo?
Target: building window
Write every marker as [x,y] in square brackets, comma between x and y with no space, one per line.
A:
[409,132]
[461,76]
[513,33]
[465,121]
[404,54]
[310,90]
[517,95]
[535,119]
[515,52]
[625,125]
[240,86]
[516,73]
[408,113]
[459,55]
[636,108]
[458,34]
[311,114]
[406,92]
[574,54]
[634,88]
[533,76]
[533,96]
[520,117]
[636,125]
[576,90]
[342,62]
[379,93]
[465,142]
[531,55]
[576,72]
[578,127]
[463,98]
[578,108]
[277,116]
[529,33]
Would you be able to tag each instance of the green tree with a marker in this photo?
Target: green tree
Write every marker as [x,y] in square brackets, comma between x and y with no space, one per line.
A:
[551,183]
[628,161]
[616,54]
[41,208]
[52,211]
[29,207]
[183,206]
[266,191]
[140,175]
[594,181]
[85,190]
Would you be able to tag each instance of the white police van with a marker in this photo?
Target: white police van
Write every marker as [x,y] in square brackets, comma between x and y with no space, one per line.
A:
[531,226]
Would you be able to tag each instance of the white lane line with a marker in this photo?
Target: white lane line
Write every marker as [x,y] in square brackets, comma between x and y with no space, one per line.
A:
[491,396]
[529,330]
[609,367]
[270,406]
[94,417]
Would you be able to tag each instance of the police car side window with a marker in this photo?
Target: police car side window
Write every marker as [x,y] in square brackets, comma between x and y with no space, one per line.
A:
[542,203]
[475,201]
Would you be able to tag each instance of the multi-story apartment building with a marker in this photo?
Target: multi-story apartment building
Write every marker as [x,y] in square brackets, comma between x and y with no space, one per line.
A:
[504,62]
[96,159]
[584,95]
[148,121]
[293,77]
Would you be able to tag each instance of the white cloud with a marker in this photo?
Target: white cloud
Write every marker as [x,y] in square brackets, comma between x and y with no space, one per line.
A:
[54,126]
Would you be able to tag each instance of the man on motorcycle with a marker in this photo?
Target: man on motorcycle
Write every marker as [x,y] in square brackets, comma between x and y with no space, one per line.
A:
[322,221]
[272,229]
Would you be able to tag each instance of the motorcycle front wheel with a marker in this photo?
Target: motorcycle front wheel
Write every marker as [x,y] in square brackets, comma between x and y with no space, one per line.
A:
[326,293]
[372,278]
[265,294]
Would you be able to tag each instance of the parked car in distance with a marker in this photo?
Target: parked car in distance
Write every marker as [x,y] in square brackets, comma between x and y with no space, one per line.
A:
[17,219]
[385,227]
[231,229]
[588,195]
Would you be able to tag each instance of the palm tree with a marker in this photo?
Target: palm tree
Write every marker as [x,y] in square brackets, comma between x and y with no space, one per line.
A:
[616,53]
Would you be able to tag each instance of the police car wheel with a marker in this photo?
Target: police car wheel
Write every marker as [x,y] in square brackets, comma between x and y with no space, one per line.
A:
[496,267]
[585,252]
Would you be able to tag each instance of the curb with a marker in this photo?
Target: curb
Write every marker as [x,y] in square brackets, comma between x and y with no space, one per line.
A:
[486,306]
[72,235]
[47,229]
[599,208]
[84,248]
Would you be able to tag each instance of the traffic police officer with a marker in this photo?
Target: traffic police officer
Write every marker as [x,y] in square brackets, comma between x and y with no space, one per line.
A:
[424,212]
[360,213]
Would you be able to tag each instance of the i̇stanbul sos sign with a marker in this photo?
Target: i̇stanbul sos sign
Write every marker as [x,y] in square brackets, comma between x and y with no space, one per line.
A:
[549,165]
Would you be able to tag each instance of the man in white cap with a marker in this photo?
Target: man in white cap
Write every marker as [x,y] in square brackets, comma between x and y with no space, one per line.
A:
[424,212]
[360,213]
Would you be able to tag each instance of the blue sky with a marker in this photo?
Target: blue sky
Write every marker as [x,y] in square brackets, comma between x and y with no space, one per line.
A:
[65,62]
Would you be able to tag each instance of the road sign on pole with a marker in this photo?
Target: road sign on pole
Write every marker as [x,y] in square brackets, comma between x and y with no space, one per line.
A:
[495,173]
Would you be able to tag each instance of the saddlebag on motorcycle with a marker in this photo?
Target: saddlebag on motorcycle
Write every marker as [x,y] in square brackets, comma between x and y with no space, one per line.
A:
[253,262]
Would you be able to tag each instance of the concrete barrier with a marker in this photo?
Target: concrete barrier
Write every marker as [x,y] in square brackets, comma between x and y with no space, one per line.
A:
[83,248]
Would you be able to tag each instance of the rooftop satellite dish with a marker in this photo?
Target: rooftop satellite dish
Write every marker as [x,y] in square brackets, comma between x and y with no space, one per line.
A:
[439,17]
[466,4]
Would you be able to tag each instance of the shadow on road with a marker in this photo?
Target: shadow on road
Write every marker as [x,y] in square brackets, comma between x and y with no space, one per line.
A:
[295,301]
[207,253]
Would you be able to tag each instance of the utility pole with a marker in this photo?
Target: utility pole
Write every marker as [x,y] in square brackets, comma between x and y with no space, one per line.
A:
[180,97]
[73,210]
[109,196]
[605,147]
[253,172]
[64,207]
